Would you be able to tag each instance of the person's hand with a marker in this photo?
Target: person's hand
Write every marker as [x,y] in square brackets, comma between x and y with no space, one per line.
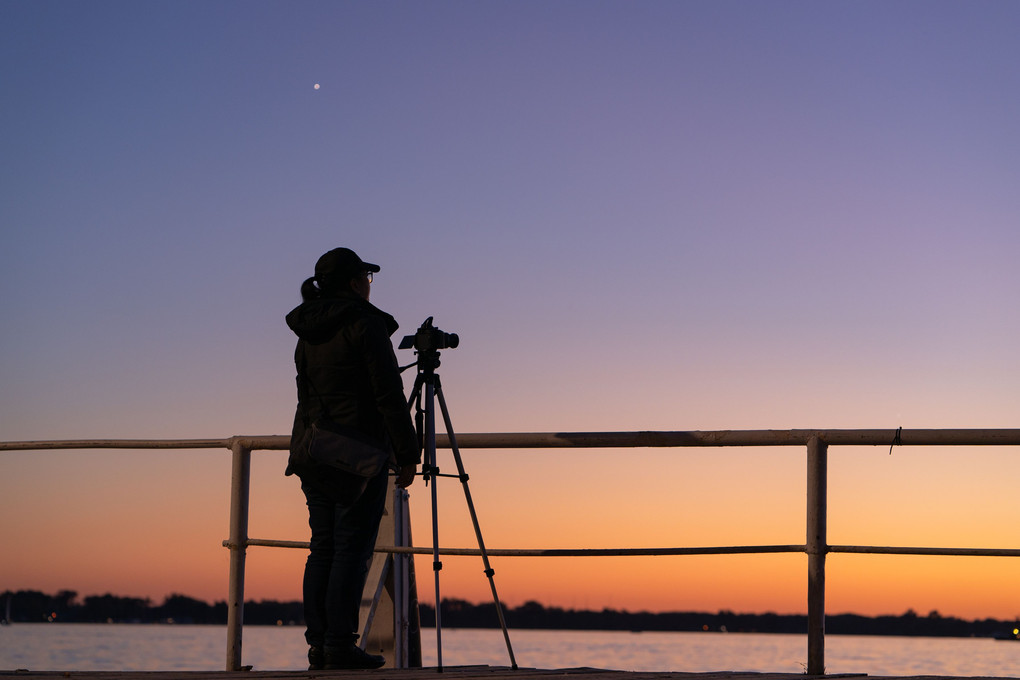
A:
[406,475]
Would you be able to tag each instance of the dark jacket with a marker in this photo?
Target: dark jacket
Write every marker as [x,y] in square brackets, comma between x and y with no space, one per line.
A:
[346,358]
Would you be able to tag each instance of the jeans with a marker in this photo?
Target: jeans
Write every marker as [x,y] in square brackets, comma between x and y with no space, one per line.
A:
[343,539]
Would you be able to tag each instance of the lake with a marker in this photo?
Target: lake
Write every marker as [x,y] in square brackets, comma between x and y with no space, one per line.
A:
[113,647]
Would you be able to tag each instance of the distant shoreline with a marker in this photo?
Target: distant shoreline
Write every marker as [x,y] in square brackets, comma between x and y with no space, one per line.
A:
[29,606]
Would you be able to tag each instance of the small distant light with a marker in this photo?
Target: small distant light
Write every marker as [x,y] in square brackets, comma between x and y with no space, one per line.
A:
[316,86]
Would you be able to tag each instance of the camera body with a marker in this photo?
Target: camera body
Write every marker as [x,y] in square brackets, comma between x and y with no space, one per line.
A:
[428,338]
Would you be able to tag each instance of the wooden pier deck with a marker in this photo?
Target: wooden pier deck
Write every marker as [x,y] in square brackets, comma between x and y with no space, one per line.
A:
[450,673]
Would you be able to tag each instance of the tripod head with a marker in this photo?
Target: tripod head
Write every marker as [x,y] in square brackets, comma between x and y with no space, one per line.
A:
[427,341]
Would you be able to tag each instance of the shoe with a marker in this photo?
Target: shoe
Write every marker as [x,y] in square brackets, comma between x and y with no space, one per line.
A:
[316,659]
[346,658]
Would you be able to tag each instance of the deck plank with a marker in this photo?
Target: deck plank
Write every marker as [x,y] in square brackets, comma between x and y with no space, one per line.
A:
[453,672]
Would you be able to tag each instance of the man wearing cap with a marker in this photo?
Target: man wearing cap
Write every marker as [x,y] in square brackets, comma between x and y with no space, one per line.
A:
[348,373]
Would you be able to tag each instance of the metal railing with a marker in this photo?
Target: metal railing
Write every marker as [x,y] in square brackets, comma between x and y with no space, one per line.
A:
[815,546]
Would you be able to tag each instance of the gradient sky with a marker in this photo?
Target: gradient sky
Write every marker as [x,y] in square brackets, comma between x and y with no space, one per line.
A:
[637,215]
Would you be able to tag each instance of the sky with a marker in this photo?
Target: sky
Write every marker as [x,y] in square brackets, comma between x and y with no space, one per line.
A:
[637,215]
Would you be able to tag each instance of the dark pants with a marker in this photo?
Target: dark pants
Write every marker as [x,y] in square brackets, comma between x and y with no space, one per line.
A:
[343,538]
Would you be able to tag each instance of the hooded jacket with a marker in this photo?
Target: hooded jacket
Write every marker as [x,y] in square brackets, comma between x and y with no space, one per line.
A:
[347,368]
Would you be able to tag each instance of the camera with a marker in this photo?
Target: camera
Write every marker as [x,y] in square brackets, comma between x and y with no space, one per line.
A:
[428,338]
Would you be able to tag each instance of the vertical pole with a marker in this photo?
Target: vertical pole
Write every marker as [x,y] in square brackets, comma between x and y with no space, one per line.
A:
[240,477]
[817,546]
[400,580]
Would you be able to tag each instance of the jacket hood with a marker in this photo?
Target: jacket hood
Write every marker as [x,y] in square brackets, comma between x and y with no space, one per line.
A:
[317,321]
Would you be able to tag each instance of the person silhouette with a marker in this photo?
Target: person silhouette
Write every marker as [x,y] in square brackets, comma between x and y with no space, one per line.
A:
[347,372]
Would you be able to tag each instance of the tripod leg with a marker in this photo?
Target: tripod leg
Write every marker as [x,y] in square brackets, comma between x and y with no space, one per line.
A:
[430,462]
[474,519]
[415,391]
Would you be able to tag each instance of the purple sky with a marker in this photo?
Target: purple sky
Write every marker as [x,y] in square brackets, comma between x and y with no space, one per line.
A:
[637,215]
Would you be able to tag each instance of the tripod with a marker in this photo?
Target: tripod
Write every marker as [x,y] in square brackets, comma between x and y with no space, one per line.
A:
[427,387]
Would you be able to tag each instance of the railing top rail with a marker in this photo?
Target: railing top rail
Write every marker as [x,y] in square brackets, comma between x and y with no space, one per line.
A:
[272,441]
[116,444]
[710,438]
[585,440]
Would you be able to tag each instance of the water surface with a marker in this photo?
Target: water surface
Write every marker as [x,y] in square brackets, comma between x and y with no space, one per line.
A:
[126,647]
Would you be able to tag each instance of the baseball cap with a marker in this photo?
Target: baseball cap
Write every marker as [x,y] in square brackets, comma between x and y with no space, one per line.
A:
[342,264]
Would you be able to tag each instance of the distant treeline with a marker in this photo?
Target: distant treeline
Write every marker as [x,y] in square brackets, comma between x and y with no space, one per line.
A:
[461,614]
[33,606]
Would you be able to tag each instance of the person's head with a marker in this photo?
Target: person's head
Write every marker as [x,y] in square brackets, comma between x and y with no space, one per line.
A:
[339,271]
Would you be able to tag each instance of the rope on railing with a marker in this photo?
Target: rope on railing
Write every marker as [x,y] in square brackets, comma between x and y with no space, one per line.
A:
[553,552]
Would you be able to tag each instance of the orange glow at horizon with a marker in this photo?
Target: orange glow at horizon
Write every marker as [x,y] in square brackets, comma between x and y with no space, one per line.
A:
[157,542]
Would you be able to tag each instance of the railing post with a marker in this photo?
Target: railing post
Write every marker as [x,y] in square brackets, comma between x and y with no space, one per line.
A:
[401,590]
[240,476]
[817,546]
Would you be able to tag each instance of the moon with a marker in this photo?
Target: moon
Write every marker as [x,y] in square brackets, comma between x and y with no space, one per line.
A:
[316,86]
